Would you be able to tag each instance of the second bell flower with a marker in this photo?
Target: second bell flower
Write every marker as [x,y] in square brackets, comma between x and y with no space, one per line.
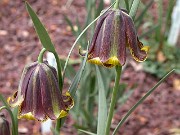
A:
[38,95]
[114,32]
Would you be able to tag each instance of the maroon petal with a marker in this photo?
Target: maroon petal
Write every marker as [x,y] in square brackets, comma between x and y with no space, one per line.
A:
[33,102]
[121,54]
[24,81]
[51,97]
[106,38]
[38,110]
[93,46]
[27,104]
[135,50]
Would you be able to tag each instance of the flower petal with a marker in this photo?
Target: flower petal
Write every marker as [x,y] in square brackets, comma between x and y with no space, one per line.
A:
[121,53]
[133,44]
[51,97]
[96,61]
[18,97]
[111,62]
[68,101]
[93,50]
[31,107]
[106,38]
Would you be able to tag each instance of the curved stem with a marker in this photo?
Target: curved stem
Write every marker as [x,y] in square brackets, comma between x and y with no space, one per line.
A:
[116,6]
[77,39]
[140,101]
[40,57]
[113,99]
[14,130]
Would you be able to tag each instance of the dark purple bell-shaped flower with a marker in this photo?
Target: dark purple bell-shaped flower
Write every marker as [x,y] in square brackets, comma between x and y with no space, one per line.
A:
[38,95]
[114,32]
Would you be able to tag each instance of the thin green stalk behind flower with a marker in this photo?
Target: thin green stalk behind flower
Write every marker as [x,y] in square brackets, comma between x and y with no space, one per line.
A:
[65,66]
[113,99]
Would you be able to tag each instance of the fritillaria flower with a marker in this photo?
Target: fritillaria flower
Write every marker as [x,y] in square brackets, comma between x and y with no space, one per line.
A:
[114,32]
[38,95]
[4,126]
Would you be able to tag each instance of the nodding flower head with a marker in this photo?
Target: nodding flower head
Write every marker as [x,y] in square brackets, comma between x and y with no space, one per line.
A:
[114,32]
[39,96]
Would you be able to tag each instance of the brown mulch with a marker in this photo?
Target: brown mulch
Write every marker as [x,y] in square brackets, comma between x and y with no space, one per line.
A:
[19,45]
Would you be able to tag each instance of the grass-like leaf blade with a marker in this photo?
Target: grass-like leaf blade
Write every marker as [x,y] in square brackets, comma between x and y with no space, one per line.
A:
[77,77]
[134,8]
[141,16]
[140,101]
[152,29]
[40,30]
[102,105]
[127,4]
[86,132]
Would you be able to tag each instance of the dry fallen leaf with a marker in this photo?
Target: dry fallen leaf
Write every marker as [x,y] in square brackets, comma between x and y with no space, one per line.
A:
[161,57]
[176,84]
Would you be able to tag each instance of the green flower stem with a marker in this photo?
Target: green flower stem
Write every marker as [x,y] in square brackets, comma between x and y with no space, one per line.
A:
[59,71]
[116,6]
[113,99]
[127,5]
[58,126]
[60,81]
[14,129]
[40,57]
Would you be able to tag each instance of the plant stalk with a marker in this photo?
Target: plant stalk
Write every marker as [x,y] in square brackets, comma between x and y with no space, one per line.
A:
[116,6]
[59,71]
[60,81]
[14,126]
[113,99]
[40,57]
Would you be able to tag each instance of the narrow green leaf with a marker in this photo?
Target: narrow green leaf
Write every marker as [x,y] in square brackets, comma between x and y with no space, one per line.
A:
[40,30]
[152,29]
[15,114]
[140,101]
[102,105]
[75,82]
[4,101]
[169,13]
[70,24]
[100,7]
[84,131]
[134,8]
[140,17]
[127,5]
[159,35]
[144,10]
[77,78]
